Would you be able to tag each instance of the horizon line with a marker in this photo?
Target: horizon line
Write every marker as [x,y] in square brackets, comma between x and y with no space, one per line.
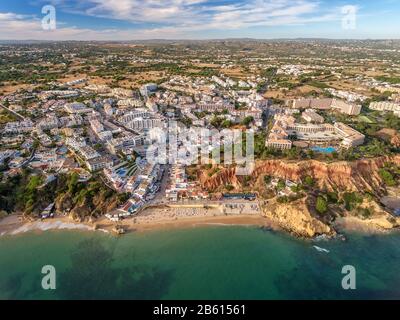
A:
[211,39]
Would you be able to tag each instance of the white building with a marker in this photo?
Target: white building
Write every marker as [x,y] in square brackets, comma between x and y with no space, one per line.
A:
[386,106]
[311,116]
[148,89]
[99,163]
[25,126]
[77,108]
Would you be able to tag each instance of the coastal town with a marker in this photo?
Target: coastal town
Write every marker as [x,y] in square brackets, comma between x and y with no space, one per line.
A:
[197,158]
[90,120]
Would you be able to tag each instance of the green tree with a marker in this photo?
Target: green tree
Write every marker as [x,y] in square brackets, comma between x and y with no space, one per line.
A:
[247,121]
[281,185]
[309,181]
[226,124]
[387,177]
[73,182]
[267,180]
[322,205]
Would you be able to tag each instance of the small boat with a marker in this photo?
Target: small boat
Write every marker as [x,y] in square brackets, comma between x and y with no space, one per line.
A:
[319,249]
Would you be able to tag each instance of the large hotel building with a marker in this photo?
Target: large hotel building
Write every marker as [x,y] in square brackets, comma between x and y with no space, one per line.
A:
[285,127]
[327,104]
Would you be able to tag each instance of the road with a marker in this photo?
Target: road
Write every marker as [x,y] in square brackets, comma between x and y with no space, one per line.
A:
[13,112]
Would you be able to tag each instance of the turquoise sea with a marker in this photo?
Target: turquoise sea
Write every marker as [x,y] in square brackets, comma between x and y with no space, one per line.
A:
[198,263]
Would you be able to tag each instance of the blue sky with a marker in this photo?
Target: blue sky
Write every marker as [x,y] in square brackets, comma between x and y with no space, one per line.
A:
[201,19]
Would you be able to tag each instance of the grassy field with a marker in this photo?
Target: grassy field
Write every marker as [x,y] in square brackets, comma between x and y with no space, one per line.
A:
[365,119]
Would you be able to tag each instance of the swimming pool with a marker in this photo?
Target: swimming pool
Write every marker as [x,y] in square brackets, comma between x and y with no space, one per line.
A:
[324,150]
[122,172]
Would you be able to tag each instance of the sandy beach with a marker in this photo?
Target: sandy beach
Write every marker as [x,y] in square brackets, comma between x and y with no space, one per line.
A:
[151,219]
[13,225]
[167,218]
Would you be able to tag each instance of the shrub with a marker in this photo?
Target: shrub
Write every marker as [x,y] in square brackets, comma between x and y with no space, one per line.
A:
[322,205]
[309,181]
[387,177]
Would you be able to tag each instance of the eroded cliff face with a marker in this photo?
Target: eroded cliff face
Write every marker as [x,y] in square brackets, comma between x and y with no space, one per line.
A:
[299,217]
[296,218]
[362,175]
[390,135]
[395,141]
[81,211]
[380,219]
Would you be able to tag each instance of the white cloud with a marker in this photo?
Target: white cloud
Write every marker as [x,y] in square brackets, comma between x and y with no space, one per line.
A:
[173,18]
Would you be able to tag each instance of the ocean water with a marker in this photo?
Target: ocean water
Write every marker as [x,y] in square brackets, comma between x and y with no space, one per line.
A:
[197,263]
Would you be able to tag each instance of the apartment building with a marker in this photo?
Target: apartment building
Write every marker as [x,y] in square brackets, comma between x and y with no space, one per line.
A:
[254,112]
[327,104]
[386,106]
[220,82]
[75,143]
[132,103]
[71,121]
[279,137]
[132,115]
[25,126]
[121,93]
[88,152]
[44,95]
[105,135]
[140,124]
[98,88]
[99,163]
[346,108]
[276,143]
[178,185]
[123,143]
[48,123]
[96,126]
[285,127]
[311,116]
[319,104]
[77,108]
[351,137]
[215,107]
[148,89]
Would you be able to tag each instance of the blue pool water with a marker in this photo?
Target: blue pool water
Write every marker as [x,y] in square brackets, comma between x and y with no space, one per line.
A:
[324,150]
[122,172]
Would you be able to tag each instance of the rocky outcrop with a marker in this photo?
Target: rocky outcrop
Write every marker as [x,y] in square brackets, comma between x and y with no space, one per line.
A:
[89,207]
[395,141]
[386,222]
[362,175]
[224,177]
[379,218]
[64,203]
[296,218]
[389,135]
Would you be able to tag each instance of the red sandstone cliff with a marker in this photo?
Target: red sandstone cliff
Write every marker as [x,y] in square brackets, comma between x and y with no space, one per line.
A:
[362,175]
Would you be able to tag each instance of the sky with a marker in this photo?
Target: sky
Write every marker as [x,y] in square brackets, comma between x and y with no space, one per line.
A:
[198,19]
